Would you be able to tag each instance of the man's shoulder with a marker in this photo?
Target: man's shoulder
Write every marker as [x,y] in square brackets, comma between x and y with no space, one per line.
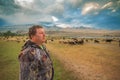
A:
[27,53]
[29,50]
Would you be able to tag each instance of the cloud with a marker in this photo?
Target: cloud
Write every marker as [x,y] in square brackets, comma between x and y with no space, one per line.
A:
[18,18]
[113,6]
[54,19]
[63,25]
[24,3]
[8,7]
[59,1]
[114,10]
[109,4]
[30,11]
[90,7]
[34,11]
[75,2]
[55,9]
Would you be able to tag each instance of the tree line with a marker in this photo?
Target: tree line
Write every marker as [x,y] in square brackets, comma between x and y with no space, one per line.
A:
[10,33]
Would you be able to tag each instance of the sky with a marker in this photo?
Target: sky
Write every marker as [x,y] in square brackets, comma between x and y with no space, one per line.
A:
[101,14]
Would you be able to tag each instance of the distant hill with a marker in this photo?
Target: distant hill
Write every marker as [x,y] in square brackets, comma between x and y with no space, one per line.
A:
[46,25]
[52,29]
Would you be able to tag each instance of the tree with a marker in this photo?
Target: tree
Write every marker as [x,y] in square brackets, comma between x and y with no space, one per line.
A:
[8,33]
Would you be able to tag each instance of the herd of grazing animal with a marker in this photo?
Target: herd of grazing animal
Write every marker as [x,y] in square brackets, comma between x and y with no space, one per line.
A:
[15,39]
[73,42]
[81,41]
[70,41]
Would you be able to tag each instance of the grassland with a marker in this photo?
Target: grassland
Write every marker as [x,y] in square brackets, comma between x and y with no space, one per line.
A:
[9,65]
[90,61]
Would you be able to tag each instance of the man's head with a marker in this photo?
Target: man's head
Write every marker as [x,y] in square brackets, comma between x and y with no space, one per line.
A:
[37,34]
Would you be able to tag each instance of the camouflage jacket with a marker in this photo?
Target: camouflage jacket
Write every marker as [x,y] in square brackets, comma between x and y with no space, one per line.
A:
[35,63]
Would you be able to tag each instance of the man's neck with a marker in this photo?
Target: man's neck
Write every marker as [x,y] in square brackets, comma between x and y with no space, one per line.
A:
[35,42]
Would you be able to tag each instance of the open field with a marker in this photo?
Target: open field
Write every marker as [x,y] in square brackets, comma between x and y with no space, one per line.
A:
[9,66]
[77,55]
[90,61]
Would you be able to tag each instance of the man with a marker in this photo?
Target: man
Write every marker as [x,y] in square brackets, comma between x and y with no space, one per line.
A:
[35,62]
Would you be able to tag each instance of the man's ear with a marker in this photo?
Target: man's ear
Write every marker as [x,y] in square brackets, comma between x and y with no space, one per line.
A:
[32,36]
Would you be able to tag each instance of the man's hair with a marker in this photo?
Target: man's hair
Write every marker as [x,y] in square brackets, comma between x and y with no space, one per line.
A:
[32,30]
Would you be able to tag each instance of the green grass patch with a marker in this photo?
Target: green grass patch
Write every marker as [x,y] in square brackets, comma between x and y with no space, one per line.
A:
[9,65]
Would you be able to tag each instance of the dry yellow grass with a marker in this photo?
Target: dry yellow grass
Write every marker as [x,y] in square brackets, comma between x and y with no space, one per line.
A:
[89,61]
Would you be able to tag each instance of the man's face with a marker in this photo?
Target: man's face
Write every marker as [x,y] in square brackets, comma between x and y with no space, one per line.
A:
[40,35]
